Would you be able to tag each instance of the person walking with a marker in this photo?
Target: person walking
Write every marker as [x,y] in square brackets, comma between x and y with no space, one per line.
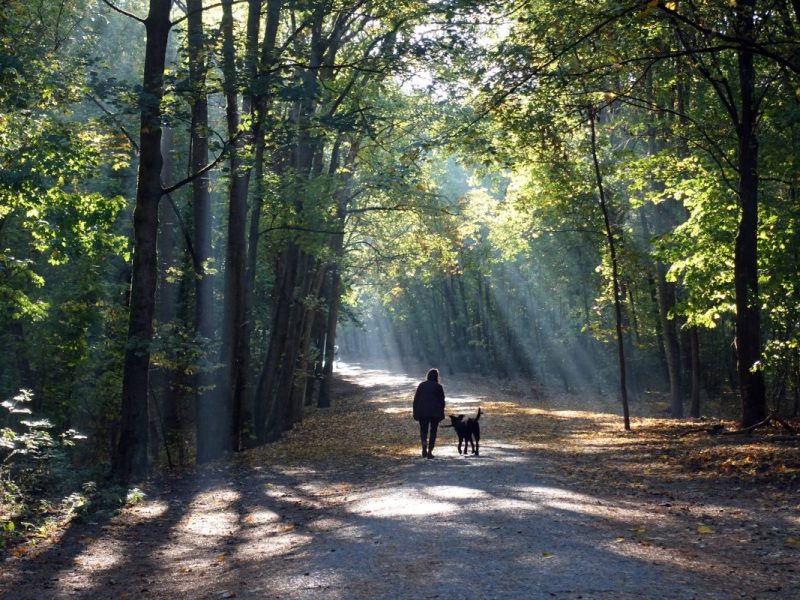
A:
[429,410]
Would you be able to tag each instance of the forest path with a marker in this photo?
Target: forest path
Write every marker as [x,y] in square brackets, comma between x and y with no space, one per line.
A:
[344,508]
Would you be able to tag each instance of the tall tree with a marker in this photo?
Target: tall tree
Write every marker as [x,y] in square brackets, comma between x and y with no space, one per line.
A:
[207,421]
[130,460]
[231,375]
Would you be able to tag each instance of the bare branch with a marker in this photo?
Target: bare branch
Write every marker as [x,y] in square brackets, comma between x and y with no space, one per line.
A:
[299,228]
[186,16]
[124,131]
[205,169]
[116,8]
[198,266]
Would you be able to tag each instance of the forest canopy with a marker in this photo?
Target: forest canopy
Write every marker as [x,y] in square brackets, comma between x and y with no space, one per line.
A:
[202,203]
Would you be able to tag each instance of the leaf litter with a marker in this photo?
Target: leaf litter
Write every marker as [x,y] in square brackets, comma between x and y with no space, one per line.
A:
[653,494]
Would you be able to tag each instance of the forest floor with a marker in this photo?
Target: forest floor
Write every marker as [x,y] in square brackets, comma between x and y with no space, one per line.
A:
[561,503]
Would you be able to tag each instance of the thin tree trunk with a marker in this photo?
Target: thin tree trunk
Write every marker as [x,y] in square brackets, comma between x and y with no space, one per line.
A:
[337,250]
[694,351]
[230,389]
[612,250]
[162,377]
[207,424]
[666,301]
[130,460]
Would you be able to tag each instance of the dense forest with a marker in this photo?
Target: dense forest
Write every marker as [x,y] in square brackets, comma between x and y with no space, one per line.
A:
[201,203]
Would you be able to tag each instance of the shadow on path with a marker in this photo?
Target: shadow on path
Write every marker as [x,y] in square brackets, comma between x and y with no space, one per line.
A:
[354,523]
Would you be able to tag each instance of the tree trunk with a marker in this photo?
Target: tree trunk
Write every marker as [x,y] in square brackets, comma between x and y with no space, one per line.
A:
[745,269]
[694,351]
[162,377]
[612,250]
[231,382]
[267,407]
[308,316]
[666,301]
[207,423]
[261,100]
[337,250]
[130,459]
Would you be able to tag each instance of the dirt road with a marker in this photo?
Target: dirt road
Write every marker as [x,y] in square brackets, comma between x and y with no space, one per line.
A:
[344,508]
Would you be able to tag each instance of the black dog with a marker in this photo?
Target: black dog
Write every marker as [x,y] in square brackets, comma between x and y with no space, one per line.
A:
[468,431]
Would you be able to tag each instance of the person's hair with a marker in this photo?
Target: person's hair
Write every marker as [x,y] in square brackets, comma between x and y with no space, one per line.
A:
[433,375]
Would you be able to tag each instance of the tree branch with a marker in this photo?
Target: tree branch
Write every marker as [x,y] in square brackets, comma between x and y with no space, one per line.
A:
[198,267]
[205,169]
[116,8]
[299,228]
[113,116]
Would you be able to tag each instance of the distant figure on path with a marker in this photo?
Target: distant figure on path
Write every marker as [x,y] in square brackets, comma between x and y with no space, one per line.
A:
[429,410]
[336,355]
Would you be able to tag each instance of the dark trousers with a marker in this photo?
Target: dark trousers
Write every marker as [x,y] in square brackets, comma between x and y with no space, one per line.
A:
[424,424]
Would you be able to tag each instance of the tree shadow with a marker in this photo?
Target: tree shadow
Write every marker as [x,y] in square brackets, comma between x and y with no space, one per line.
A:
[549,513]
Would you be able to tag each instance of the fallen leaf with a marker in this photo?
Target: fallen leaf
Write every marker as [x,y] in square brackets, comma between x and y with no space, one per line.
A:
[704,529]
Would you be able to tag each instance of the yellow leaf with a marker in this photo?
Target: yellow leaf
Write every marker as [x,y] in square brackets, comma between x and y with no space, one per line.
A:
[619,540]
[792,541]
[704,529]
[221,558]
[547,555]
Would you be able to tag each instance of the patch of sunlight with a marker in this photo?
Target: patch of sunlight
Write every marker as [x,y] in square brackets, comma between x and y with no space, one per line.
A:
[461,400]
[273,490]
[454,492]
[561,499]
[498,408]
[101,554]
[397,410]
[215,498]
[513,505]
[343,531]
[373,377]
[648,550]
[402,503]
[260,517]
[208,524]
[324,581]
[582,414]
[257,548]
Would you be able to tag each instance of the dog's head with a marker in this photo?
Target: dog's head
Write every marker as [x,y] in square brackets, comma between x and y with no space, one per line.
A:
[456,418]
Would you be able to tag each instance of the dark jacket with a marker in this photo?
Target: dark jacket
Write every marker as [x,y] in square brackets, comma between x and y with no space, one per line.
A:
[429,401]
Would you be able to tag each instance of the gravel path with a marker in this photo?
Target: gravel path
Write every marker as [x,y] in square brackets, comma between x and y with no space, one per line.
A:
[500,526]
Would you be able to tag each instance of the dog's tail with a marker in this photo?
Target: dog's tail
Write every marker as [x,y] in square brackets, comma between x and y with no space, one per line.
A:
[480,412]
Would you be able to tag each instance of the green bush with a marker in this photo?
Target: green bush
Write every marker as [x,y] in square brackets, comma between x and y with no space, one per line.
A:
[28,449]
